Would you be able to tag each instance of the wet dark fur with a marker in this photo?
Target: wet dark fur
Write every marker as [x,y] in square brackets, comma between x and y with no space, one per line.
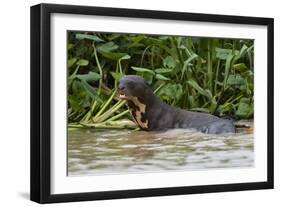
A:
[160,116]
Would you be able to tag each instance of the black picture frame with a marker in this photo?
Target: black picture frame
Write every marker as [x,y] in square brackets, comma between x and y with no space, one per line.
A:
[40,175]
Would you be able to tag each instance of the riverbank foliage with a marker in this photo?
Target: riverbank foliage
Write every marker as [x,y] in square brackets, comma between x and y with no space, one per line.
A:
[212,75]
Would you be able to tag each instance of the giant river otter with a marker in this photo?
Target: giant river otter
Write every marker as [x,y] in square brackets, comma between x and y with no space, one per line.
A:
[150,113]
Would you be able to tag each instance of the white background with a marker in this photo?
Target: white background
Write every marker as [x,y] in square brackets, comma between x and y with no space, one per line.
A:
[14,102]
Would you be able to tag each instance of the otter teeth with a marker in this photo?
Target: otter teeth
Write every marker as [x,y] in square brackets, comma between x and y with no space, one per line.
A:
[121,95]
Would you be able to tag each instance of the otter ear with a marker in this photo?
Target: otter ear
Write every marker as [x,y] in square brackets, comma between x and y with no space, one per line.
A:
[147,81]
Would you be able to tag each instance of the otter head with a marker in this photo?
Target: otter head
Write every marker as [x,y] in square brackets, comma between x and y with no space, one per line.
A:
[138,95]
[133,86]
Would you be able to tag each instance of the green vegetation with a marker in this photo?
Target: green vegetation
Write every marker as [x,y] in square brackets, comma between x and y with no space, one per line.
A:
[212,75]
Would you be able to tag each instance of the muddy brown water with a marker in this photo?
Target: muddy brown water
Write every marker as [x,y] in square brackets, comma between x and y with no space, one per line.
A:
[92,152]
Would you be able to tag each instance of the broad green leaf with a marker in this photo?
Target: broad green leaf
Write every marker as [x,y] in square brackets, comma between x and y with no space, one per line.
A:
[82,62]
[116,76]
[191,100]
[212,108]
[186,63]
[74,103]
[163,37]
[113,55]
[161,77]
[192,57]
[163,70]
[202,91]
[76,86]
[243,51]
[235,80]
[225,107]
[70,62]
[125,57]
[171,92]
[169,62]
[210,96]
[143,70]
[188,51]
[244,110]
[148,77]
[151,41]
[91,91]
[227,69]
[250,55]
[70,46]
[245,100]
[223,54]
[90,77]
[240,67]
[89,37]
[107,47]
[136,40]
[200,109]
[114,36]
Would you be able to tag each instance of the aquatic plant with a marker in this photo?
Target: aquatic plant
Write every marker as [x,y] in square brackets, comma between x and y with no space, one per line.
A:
[213,75]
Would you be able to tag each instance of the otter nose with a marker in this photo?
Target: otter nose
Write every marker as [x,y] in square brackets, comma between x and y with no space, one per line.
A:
[120,87]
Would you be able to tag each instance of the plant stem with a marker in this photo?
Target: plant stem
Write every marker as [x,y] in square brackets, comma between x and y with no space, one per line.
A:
[108,113]
[216,76]
[158,88]
[106,104]
[88,115]
[111,125]
[118,115]
[210,69]
[100,69]
[143,53]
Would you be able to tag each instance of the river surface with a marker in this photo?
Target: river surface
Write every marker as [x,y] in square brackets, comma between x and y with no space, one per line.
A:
[92,152]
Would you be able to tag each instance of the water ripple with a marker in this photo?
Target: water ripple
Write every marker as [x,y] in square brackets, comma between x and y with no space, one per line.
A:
[123,151]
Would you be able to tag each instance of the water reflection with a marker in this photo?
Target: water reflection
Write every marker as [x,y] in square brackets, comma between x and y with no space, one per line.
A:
[122,151]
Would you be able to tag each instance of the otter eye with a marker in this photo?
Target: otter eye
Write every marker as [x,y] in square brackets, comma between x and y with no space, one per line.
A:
[131,84]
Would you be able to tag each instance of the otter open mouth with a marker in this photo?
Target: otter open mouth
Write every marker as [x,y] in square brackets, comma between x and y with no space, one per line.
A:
[122,95]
